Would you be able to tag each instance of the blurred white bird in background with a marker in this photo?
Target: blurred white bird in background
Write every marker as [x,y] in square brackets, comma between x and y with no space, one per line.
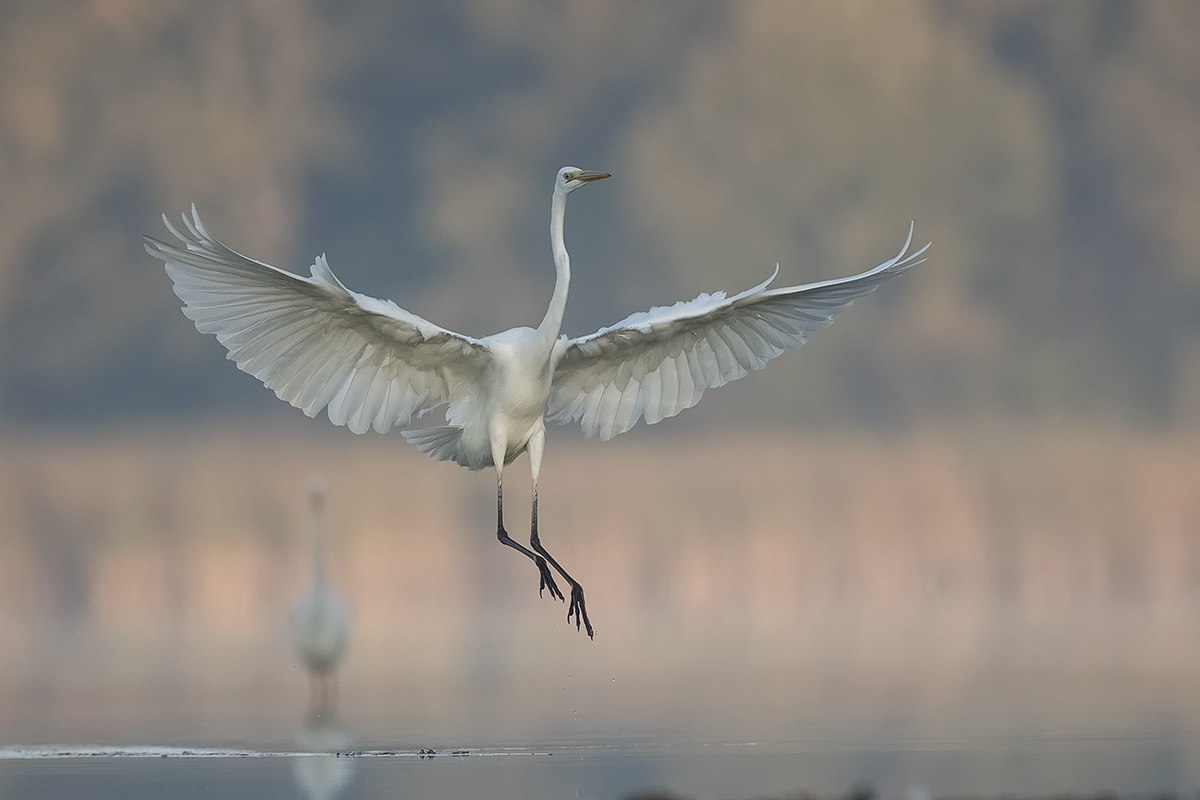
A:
[320,630]
[318,345]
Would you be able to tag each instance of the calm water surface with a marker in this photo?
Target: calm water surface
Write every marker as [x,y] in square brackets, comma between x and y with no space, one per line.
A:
[1130,765]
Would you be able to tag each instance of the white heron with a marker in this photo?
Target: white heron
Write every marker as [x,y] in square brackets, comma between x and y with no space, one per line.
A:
[318,345]
[320,631]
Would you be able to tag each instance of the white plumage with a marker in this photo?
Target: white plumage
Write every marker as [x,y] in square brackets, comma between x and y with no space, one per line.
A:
[372,364]
[319,625]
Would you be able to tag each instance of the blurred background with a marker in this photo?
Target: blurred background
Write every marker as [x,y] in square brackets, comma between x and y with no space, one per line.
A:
[968,510]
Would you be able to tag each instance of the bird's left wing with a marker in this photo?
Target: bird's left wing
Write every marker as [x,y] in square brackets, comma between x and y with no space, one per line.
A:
[311,340]
[656,363]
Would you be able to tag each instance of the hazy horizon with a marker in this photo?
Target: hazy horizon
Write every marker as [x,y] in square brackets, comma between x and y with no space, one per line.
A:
[416,147]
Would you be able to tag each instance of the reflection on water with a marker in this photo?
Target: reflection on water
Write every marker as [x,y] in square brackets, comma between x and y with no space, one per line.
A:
[321,770]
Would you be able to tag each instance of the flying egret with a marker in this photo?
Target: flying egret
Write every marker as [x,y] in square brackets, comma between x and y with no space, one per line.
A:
[319,628]
[372,364]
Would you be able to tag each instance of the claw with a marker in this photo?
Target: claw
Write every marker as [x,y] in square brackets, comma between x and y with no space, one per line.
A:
[578,609]
[546,581]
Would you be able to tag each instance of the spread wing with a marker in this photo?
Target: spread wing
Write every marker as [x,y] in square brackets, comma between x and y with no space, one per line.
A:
[656,363]
[311,340]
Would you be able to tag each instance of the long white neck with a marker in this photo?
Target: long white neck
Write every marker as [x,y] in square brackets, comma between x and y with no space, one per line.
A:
[317,538]
[552,322]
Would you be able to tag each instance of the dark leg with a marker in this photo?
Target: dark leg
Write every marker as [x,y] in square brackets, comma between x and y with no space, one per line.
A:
[578,607]
[329,694]
[547,578]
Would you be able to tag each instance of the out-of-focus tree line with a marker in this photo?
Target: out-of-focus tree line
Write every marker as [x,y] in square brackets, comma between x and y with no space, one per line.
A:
[1050,150]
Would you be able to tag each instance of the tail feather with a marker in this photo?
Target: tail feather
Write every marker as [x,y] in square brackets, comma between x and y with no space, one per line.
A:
[442,443]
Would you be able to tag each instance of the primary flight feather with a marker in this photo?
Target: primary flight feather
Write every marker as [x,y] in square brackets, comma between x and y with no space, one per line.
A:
[371,364]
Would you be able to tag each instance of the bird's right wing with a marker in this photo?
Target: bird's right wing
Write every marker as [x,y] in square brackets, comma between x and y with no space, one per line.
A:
[314,342]
[656,363]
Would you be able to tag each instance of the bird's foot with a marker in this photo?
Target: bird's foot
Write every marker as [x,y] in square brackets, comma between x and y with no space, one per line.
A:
[547,581]
[578,609]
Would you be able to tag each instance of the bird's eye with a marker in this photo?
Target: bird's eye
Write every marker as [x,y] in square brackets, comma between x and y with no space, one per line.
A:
[568,177]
